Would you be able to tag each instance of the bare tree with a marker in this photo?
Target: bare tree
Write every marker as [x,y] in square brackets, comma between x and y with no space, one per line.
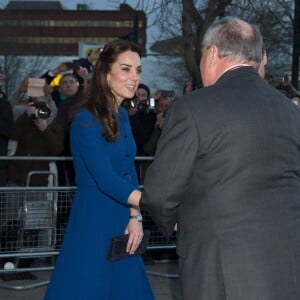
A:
[182,24]
[17,68]
[194,25]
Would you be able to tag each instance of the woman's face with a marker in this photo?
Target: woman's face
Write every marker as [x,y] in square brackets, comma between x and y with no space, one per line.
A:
[125,75]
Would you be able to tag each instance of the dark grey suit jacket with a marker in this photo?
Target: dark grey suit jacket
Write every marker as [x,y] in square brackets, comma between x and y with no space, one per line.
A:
[227,171]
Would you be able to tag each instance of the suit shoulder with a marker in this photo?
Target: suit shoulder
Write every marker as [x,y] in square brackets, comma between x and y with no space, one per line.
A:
[200,96]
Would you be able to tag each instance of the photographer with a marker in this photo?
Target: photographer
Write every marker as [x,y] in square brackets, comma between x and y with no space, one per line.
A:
[36,135]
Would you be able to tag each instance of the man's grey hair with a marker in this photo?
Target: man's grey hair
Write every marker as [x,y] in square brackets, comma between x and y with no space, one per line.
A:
[235,38]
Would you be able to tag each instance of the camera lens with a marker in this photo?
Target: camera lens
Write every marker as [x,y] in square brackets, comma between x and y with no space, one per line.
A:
[43,112]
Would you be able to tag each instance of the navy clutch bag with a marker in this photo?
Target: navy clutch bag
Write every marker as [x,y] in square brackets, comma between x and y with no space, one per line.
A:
[117,247]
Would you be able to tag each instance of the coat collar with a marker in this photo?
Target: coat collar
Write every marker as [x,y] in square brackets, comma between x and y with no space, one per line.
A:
[237,72]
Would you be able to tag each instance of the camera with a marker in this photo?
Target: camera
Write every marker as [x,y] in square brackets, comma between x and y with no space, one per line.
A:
[41,110]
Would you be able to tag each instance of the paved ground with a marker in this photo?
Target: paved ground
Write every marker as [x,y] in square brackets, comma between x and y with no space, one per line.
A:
[162,273]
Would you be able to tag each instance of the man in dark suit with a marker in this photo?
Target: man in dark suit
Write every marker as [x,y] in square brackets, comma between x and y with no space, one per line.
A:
[227,172]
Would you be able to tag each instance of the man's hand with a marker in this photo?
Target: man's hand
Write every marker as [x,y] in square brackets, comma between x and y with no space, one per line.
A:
[64,66]
[94,55]
[47,90]
[30,109]
[41,124]
[82,72]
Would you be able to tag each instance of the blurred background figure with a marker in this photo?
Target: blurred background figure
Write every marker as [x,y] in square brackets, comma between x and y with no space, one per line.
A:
[6,125]
[161,105]
[131,105]
[270,78]
[35,134]
[20,98]
[73,67]
[68,87]
[296,100]
[143,95]
[146,111]
[142,122]
[287,88]
[65,109]
[188,87]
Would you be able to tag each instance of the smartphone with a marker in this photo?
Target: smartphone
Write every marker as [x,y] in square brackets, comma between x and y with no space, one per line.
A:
[152,103]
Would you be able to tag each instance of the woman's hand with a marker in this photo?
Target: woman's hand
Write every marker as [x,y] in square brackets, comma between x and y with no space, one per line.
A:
[135,231]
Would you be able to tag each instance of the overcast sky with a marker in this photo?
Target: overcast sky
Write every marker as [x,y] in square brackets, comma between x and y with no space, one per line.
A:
[97,4]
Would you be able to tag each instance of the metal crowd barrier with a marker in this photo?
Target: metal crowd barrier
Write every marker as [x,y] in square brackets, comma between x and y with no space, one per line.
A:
[33,222]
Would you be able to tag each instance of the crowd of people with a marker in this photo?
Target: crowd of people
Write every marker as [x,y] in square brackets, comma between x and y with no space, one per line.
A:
[146,119]
[73,86]
[220,175]
[40,126]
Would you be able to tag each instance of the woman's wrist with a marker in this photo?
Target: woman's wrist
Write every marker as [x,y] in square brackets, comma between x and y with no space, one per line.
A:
[137,217]
[135,211]
[134,199]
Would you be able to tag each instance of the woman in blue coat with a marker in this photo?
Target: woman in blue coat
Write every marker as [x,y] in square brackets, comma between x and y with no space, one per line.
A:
[103,152]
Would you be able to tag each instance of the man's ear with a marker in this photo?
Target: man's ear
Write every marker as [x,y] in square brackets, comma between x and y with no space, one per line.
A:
[212,55]
[265,58]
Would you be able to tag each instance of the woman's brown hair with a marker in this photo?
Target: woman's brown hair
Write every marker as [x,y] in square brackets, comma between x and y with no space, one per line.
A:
[101,101]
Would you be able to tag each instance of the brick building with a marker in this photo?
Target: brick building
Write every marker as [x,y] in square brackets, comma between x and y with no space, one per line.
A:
[45,28]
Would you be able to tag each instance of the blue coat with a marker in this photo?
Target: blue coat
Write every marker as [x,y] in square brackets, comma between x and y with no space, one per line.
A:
[105,176]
